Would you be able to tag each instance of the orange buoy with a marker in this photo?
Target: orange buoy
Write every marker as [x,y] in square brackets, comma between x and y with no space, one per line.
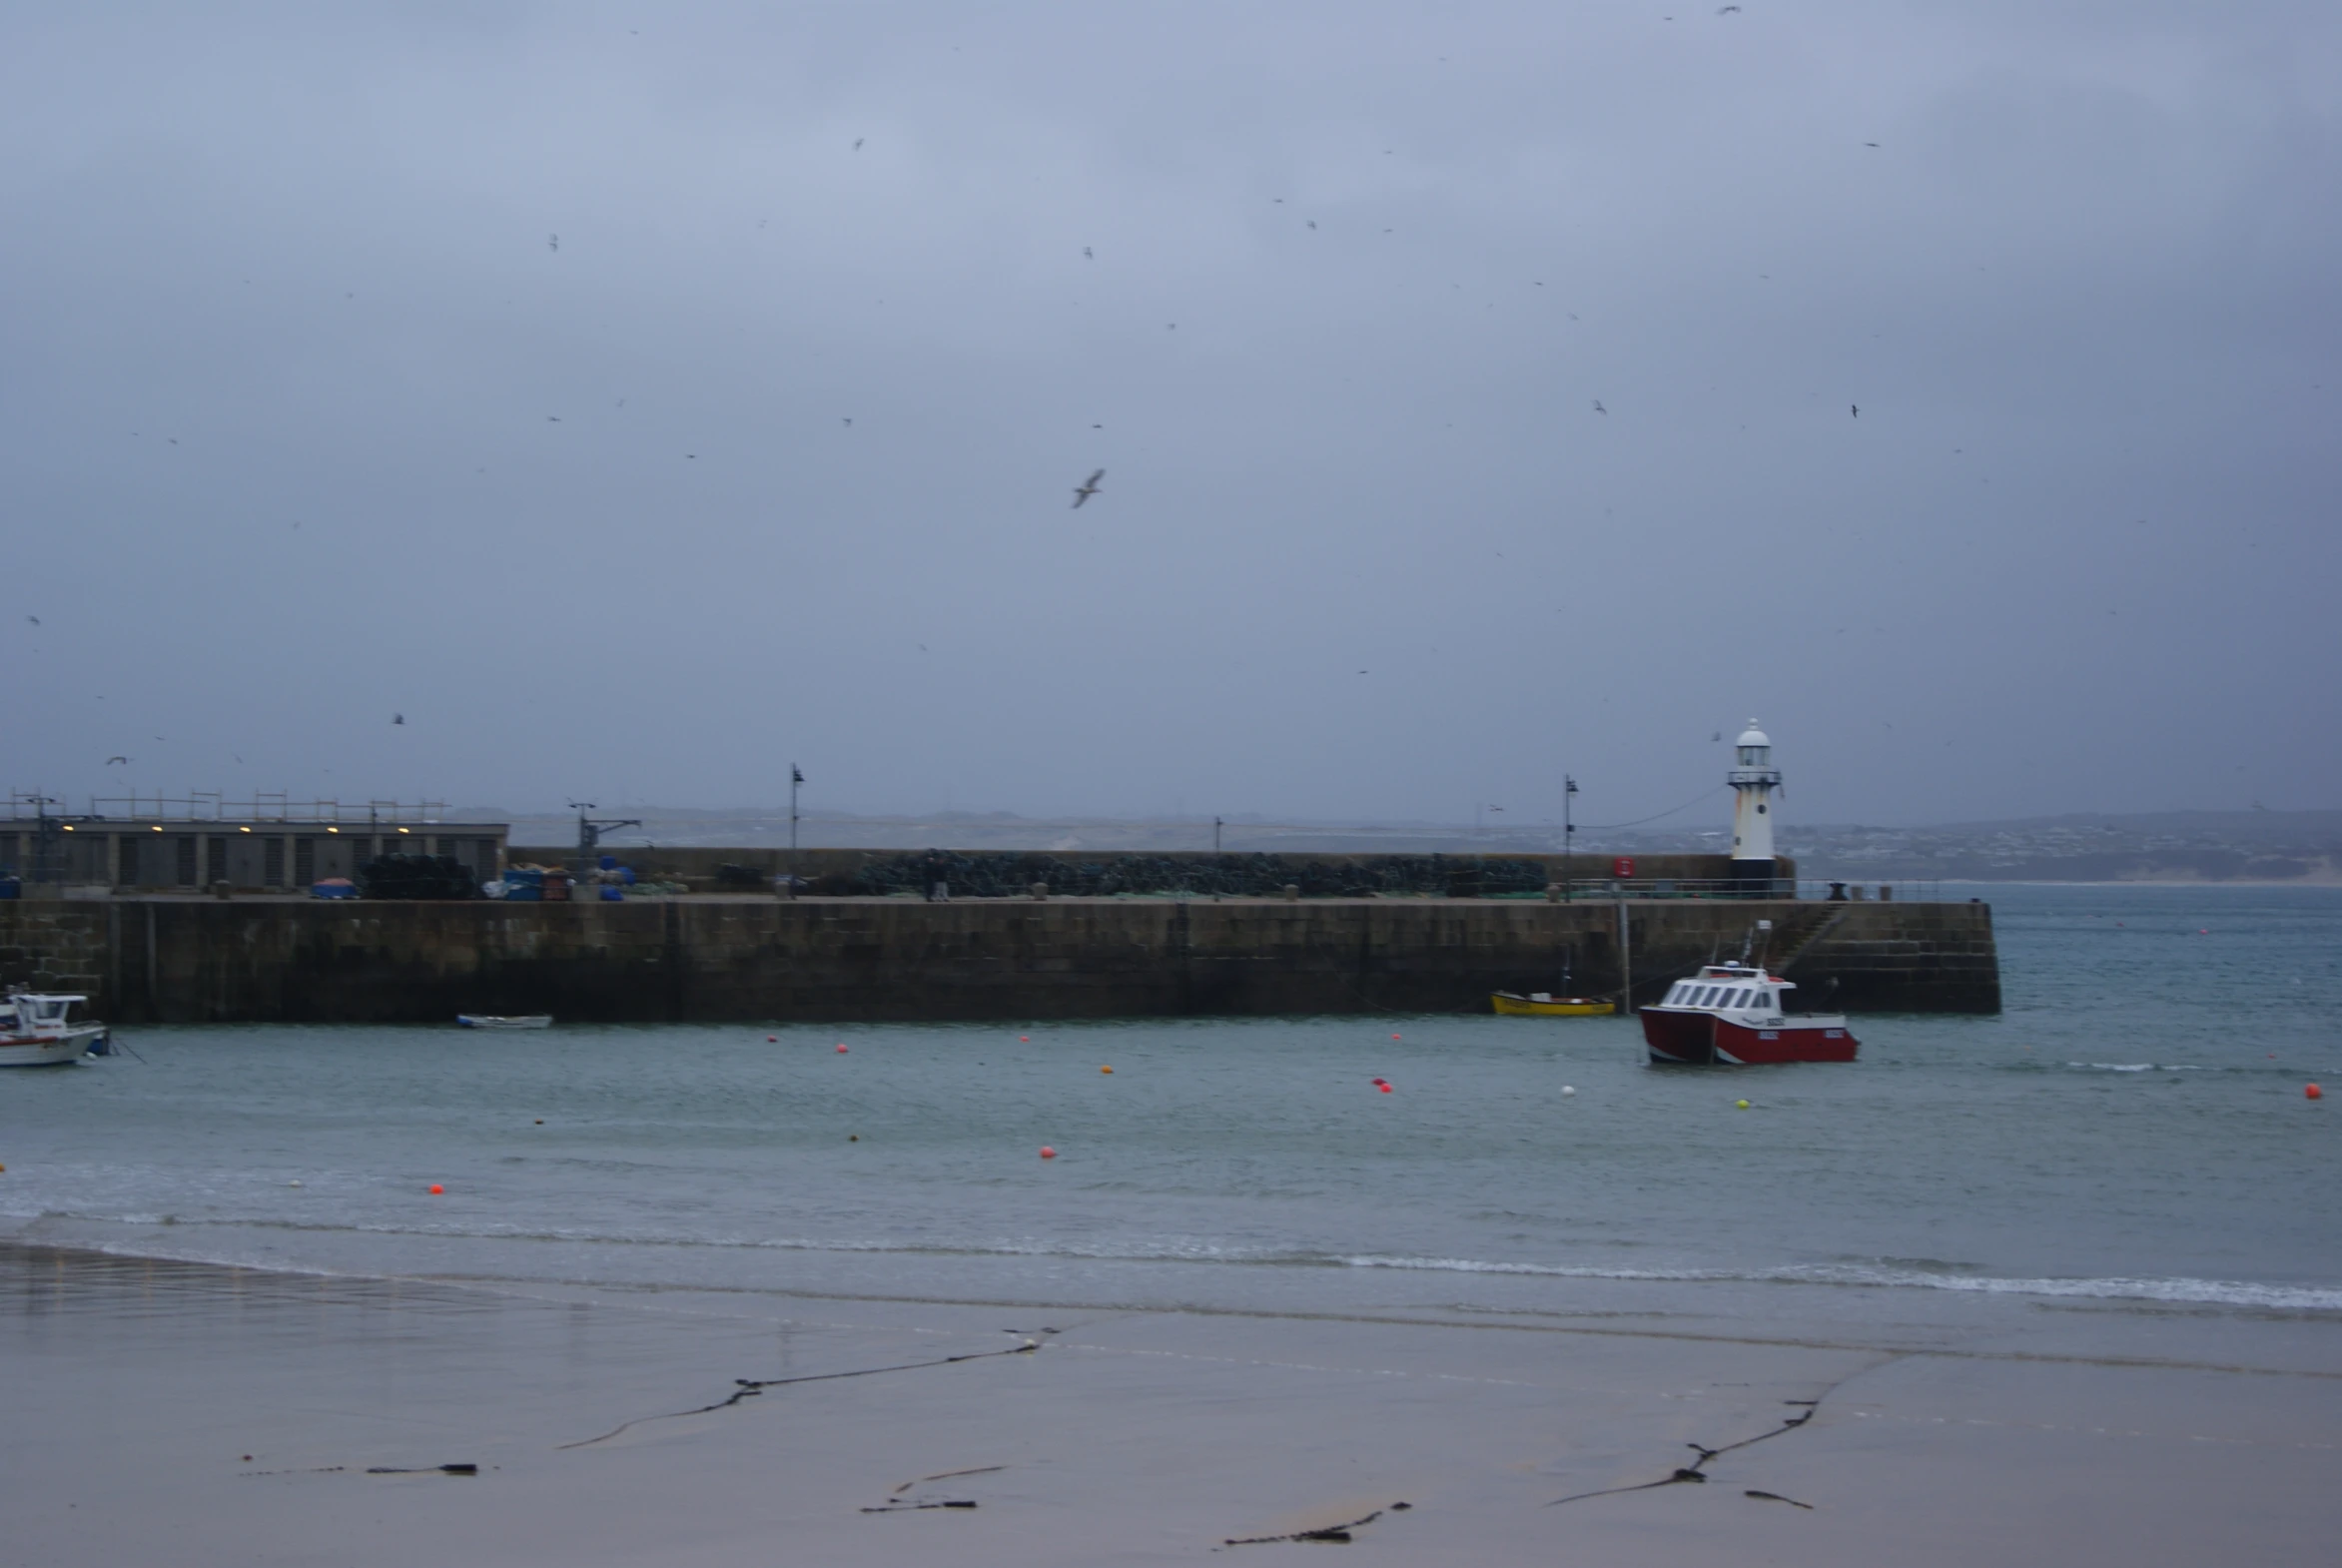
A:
[2312,1091]
[1105,1070]
[1048,1153]
[436,1189]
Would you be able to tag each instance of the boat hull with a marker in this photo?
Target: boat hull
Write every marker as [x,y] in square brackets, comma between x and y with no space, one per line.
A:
[1510,1006]
[55,1050]
[488,1021]
[1690,1037]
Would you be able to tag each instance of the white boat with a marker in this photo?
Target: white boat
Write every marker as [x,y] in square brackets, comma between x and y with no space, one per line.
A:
[37,1029]
[494,1021]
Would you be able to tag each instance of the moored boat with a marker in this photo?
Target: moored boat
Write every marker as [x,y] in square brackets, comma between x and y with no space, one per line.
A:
[500,1021]
[37,1028]
[1543,1004]
[1732,1015]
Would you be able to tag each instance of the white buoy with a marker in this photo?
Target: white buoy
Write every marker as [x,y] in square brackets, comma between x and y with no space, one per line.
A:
[1566,1091]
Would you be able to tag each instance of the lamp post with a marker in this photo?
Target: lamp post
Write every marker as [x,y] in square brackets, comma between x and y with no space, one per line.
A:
[1569,787]
[1215,835]
[796,782]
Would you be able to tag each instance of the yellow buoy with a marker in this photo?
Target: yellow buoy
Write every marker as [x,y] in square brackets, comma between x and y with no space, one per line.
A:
[1740,1105]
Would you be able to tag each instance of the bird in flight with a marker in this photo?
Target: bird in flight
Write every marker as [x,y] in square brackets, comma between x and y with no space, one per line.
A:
[110,761]
[35,619]
[1727,10]
[1086,489]
[1598,409]
[1312,223]
[553,242]
[1856,410]
[1869,144]
[398,718]
[858,144]
[1088,254]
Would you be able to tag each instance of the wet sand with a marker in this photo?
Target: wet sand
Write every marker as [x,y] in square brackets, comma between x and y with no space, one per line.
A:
[136,1388]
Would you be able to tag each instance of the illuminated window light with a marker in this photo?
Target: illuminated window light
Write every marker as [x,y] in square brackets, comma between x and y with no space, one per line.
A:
[158,827]
[243,830]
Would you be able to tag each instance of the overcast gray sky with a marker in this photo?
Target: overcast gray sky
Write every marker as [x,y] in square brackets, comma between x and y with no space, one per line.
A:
[305,421]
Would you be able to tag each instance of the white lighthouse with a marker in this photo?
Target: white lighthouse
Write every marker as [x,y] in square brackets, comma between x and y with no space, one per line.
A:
[1753,782]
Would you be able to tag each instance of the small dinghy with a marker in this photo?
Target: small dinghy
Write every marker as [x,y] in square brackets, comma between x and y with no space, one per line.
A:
[1543,1004]
[497,1021]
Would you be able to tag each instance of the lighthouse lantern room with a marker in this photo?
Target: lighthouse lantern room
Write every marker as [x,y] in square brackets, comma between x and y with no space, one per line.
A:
[1753,780]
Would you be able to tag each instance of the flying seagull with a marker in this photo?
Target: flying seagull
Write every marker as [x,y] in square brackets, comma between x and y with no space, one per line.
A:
[1086,489]
[858,144]
[1857,410]
[1598,409]
[1087,255]
[398,718]
[553,242]
[1727,10]
[110,761]
[35,619]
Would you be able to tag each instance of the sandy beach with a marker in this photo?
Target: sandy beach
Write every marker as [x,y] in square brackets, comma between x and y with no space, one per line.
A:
[165,1412]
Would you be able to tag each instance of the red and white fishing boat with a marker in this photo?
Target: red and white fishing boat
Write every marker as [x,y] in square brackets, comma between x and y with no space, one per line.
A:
[37,1029]
[1731,1014]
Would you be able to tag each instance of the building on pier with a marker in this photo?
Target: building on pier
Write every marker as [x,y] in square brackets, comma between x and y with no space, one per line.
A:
[268,844]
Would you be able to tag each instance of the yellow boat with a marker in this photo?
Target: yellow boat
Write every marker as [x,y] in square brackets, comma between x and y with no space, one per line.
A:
[1543,1004]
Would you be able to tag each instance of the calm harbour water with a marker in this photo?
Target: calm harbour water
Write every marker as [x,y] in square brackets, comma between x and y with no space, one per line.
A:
[2133,1127]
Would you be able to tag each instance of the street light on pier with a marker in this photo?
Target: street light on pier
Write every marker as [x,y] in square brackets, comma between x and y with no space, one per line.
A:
[1569,788]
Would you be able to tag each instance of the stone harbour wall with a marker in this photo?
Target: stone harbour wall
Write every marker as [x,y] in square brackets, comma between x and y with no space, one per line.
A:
[190,960]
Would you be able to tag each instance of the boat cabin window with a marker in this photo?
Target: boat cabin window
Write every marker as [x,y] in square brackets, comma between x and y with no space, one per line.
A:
[1740,999]
[51,1009]
[1764,999]
[1707,996]
[1674,995]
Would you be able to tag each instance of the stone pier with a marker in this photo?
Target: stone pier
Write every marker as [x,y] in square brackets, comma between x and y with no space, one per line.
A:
[755,958]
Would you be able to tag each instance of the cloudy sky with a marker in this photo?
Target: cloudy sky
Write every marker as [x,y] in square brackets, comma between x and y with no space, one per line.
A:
[637,399]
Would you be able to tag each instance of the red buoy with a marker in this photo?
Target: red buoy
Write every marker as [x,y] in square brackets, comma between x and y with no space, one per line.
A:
[1385,1088]
[1048,1153]
[1025,1039]
[841,1048]
[772,1040]
[2310,1093]
[436,1189]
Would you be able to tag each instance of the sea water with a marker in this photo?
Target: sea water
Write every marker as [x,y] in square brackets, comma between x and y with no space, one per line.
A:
[2132,1128]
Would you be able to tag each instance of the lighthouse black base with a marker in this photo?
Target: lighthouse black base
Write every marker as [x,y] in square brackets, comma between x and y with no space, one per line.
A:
[1760,879]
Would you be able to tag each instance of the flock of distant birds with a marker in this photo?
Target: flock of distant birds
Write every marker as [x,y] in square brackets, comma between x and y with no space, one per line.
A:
[1082,492]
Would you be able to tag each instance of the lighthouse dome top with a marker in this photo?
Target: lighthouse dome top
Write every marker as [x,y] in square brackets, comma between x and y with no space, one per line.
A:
[1753,736]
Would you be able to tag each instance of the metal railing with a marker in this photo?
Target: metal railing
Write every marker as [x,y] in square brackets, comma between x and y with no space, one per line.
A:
[214,806]
[1916,889]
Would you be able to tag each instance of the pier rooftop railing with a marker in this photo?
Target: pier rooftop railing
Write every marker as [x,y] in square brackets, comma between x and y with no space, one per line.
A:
[214,806]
